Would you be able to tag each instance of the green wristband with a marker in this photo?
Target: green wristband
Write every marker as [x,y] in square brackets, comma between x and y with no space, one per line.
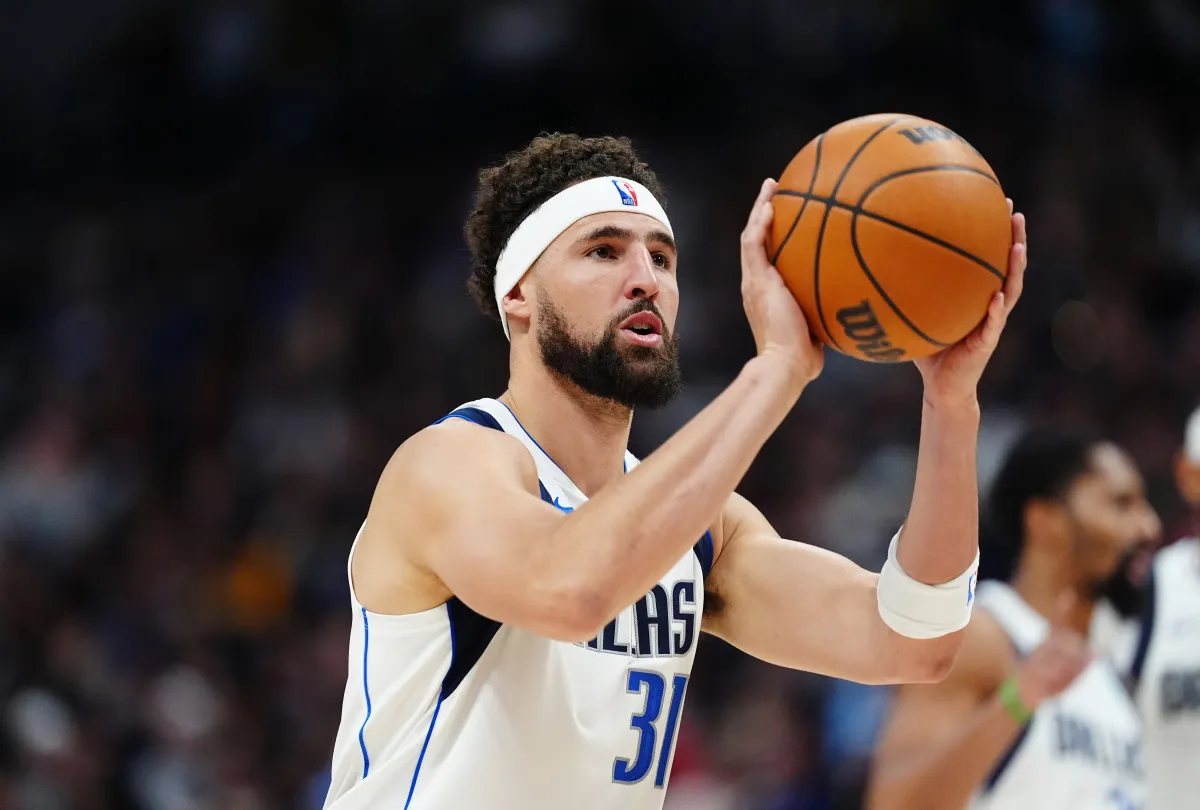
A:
[1010,699]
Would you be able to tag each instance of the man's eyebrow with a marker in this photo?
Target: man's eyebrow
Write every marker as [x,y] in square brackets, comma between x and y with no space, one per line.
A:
[618,232]
[664,237]
[606,232]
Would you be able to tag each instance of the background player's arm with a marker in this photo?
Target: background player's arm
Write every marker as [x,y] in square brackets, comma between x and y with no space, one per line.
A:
[944,740]
[460,505]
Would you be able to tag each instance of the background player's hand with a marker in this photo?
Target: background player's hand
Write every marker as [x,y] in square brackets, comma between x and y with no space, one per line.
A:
[952,375]
[776,320]
[1057,662]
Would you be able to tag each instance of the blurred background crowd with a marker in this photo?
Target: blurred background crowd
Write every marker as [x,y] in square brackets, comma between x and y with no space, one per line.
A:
[232,282]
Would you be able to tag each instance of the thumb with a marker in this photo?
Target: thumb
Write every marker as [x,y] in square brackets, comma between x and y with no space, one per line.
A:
[754,252]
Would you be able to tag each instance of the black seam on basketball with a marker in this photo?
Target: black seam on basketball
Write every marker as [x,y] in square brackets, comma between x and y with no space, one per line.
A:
[942,167]
[825,221]
[859,211]
[937,167]
[811,185]
[862,265]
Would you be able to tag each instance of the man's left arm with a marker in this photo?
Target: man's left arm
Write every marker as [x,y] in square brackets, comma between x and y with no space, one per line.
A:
[803,607]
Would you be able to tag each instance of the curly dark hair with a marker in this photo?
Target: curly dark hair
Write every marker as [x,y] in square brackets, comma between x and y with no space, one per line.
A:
[527,178]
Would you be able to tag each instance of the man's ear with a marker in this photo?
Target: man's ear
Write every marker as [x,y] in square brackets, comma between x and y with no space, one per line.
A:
[518,305]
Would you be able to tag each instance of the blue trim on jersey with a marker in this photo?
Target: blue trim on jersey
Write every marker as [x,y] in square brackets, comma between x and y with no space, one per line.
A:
[476,415]
[436,709]
[704,552]
[530,435]
[1146,632]
[362,743]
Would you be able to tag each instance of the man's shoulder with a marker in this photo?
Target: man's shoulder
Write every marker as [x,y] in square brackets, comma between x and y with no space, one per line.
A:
[457,447]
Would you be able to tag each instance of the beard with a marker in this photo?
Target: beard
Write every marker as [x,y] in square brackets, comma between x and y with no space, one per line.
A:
[1125,588]
[630,376]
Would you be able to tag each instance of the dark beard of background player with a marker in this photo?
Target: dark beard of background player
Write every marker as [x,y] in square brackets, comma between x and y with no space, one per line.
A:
[1127,597]
[640,377]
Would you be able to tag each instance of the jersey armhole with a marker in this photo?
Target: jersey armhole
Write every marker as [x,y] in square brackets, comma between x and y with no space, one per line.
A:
[476,415]
[704,552]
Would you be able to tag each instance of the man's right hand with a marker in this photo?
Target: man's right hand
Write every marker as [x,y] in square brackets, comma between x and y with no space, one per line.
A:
[779,326]
[1057,662]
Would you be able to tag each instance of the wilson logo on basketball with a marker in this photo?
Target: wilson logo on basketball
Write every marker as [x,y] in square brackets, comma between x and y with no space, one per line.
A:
[930,133]
[919,135]
[861,326]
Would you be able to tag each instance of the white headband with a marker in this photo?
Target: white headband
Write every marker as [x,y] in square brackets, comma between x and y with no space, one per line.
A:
[1191,438]
[535,233]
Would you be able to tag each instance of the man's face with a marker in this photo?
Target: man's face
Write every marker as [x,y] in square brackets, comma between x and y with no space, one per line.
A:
[1115,528]
[605,302]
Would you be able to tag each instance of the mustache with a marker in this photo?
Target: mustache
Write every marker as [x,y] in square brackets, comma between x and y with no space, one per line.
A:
[642,305]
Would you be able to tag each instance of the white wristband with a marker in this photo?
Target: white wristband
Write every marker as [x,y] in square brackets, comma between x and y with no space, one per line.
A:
[917,610]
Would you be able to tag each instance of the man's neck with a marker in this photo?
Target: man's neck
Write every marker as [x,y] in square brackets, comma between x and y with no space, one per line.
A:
[1042,584]
[585,436]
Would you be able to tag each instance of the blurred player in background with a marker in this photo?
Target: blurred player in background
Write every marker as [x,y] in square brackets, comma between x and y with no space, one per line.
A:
[527,596]
[1160,652]
[1029,718]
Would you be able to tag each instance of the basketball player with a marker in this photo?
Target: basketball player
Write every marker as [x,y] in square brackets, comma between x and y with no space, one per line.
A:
[527,597]
[1161,653]
[1028,718]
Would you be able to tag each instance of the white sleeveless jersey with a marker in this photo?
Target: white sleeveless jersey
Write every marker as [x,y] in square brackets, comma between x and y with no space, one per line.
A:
[1082,749]
[449,710]
[1166,671]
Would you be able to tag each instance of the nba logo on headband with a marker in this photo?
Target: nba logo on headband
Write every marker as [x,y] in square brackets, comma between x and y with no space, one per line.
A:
[627,192]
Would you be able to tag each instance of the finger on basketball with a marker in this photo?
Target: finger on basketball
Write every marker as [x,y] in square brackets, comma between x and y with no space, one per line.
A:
[767,215]
[754,234]
[756,208]
[762,204]
[997,315]
[989,331]
[1014,283]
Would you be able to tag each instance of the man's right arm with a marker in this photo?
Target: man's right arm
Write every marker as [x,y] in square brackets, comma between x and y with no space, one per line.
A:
[462,504]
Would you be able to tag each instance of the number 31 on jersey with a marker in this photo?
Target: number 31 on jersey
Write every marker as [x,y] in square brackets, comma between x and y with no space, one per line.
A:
[630,772]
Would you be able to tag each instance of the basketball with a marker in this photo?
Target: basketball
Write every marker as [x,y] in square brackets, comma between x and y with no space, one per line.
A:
[893,233]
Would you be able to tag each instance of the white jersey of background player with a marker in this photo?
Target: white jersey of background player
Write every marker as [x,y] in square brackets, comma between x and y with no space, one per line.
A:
[1028,719]
[527,599]
[1161,653]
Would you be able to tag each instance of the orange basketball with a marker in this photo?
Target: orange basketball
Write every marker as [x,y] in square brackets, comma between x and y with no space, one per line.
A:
[893,233]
